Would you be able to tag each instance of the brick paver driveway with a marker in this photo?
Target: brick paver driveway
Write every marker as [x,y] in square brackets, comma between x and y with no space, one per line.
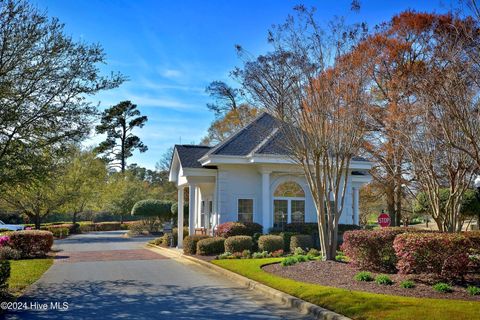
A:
[105,276]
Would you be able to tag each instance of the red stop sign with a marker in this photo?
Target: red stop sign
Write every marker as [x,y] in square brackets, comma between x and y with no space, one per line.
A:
[384,220]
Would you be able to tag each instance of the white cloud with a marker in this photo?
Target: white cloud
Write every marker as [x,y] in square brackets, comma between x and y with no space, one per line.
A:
[171,73]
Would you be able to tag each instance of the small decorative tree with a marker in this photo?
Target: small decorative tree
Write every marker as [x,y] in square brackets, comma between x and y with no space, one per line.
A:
[152,211]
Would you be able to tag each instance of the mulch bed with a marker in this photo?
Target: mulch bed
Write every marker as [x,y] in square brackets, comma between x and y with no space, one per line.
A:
[340,275]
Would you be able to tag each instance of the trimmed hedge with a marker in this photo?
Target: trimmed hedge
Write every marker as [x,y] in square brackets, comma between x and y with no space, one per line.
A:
[238,244]
[190,243]
[31,243]
[230,229]
[372,249]
[59,231]
[303,241]
[211,246]
[286,239]
[108,226]
[4,273]
[270,243]
[443,254]
[86,226]
[252,228]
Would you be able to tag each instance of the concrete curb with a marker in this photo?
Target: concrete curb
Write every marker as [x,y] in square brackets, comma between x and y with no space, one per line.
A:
[279,296]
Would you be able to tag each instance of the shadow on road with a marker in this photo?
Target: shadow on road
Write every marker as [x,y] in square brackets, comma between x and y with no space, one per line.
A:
[137,300]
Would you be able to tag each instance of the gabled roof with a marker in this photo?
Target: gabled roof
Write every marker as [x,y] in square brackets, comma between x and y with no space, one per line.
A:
[246,140]
[189,154]
[260,137]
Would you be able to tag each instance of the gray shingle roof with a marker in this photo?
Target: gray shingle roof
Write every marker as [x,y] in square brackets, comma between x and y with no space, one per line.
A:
[247,139]
[189,154]
[261,136]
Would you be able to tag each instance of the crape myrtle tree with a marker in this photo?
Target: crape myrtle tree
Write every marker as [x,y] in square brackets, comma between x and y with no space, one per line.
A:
[118,122]
[323,108]
[469,207]
[45,77]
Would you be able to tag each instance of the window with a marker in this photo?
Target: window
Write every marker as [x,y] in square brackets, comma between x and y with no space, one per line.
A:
[289,189]
[288,204]
[245,210]
[298,211]
[280,213]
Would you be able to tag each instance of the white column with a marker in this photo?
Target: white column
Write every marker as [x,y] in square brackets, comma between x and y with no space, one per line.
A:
[192,188]
[199,207]
[356,196]
[266,214]
[180,218]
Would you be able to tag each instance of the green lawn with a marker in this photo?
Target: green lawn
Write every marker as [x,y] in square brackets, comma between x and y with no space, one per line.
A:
[355,304]
[25,272]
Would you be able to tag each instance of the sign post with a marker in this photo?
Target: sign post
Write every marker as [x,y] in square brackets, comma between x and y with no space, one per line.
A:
[384,220]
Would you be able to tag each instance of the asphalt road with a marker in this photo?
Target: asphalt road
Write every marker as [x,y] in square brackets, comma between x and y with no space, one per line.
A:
[106,276]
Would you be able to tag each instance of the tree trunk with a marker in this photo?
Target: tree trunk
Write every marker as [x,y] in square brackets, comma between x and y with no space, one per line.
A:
[74,218]
[37,220]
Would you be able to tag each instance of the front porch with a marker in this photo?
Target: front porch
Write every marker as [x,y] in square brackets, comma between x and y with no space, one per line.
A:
[202,211]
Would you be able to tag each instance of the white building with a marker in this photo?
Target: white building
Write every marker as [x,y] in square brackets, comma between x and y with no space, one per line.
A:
[249,178]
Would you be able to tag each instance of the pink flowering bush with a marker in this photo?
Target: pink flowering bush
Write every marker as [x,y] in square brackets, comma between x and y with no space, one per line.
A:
[4,240]
[443,254]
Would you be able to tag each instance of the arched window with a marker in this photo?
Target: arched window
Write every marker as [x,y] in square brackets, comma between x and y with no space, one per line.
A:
[288,204]
[289,189]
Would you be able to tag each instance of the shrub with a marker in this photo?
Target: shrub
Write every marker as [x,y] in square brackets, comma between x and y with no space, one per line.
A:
[302,258]
[167,240]
[298,251]
[31,243]
[137,228]
[251,228]
[59,231]
[443,254]
[157,241]
[314,252]
[270,243]
[341,257]
[372,249]
[260,255]
[277,253]
[4,273]
[4,240]
[310,228]
[108,226]
[363,276]
[175,235]
[286,239]
[210,246]
[226,255]
[230,229]
[190,243]
[473,291]
[86,226]
[407,284]
[152,208]
[7,253]
[238,243]
[289,261]
[442,287]
[303,241]
[383,280]
[246,254]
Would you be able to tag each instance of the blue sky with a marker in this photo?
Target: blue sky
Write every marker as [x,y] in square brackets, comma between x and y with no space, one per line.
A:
[171,50]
